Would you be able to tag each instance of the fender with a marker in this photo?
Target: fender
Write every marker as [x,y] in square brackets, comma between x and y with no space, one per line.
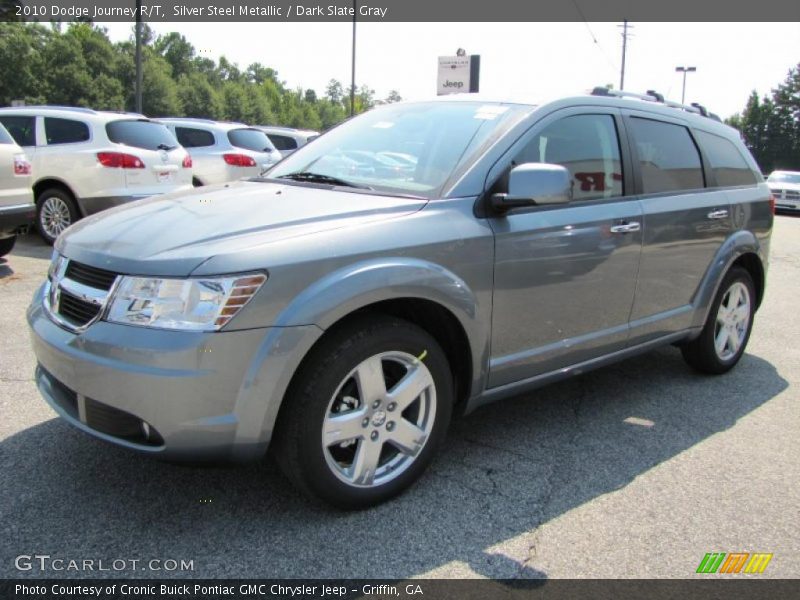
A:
[739,243]
[327,301]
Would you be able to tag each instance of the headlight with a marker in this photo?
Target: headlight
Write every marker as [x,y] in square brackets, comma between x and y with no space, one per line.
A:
[190,304]
[56,262]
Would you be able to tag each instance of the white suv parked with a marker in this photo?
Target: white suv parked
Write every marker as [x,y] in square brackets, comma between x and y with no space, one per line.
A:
[85,161]
[221,151]
[287,139]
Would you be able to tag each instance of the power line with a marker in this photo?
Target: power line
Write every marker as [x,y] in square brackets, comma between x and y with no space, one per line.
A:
[593,36]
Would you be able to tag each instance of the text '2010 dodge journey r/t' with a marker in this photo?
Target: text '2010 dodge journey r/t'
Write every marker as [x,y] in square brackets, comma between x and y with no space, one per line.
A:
[341,315]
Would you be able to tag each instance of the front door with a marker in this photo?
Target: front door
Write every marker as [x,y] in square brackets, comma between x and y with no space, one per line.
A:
[565,275]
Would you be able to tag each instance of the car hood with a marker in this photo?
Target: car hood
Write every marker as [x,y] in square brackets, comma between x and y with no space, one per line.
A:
[175,233]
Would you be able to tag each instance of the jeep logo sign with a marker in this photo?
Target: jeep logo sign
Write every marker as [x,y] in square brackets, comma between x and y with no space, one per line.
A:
[458,74]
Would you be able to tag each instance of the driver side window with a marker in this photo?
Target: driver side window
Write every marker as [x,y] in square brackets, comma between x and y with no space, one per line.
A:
[588,147]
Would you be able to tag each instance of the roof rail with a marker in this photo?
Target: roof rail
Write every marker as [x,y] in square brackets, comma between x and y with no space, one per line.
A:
[79,109]
[195,119]
[654,96]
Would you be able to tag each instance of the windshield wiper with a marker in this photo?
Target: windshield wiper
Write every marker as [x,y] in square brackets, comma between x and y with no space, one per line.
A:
[165,147]
[320,178]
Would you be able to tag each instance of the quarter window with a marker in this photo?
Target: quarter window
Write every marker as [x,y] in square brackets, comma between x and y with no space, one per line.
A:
[728,164]
[283,142]
[189,137]
[668,159]
[65,131]
[588,147]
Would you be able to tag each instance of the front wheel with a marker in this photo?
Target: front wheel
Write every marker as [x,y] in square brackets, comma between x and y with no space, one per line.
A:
[727,330]
[366,413]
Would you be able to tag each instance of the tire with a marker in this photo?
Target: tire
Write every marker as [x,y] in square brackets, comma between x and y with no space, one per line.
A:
[333,396]
[7,244]
[732,329]
[55,211]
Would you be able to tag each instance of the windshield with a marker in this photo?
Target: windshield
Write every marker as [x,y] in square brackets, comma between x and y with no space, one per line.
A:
[250,139]
[138,133]
[406,148]
[784,178]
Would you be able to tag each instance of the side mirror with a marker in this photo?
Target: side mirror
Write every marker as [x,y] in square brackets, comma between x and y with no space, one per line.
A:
[534,184]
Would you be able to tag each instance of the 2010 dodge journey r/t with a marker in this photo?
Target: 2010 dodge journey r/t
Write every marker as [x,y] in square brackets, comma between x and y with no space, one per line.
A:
[340,308]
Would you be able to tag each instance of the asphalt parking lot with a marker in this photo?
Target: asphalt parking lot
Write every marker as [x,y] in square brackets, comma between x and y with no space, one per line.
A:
[633,471]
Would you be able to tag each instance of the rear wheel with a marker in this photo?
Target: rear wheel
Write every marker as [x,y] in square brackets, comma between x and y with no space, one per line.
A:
[727,330]
[370,407]
[55,211]
[7,244]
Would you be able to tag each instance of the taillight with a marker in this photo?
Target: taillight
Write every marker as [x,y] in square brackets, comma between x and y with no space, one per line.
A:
[239,160]
[21,165]
[187,162]
[119,160]
[772,204]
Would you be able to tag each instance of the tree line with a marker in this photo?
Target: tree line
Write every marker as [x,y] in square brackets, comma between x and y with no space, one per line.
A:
[78,65]
[770,125]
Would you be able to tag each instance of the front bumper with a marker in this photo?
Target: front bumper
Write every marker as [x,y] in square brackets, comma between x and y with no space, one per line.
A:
[202,396]
[14,217]
[790,205]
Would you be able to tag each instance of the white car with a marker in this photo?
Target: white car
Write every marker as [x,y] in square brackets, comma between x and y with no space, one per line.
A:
[221,151]
[85,161]
[785,187]
[16,197]
[286,139]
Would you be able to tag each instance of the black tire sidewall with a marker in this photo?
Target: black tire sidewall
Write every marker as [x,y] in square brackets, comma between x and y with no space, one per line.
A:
[349,350]
[7,245]
[49,193]
[706,340]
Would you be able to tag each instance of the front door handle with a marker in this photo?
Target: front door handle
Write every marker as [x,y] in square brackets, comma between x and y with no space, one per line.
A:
[718,214]
[626,227]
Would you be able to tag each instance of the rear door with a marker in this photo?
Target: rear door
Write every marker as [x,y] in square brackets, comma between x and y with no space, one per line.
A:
[565,275]
[685,223]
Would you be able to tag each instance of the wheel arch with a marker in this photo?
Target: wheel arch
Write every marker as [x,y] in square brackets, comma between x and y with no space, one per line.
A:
[54,182]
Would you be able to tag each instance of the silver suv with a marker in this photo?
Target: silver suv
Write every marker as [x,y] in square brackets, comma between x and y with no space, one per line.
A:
[341,316]
[223,152]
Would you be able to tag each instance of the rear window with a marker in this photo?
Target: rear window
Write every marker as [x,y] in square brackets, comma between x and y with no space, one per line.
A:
[250,139]
[668,159]
[283,142]
[141,134]
[22,129]
[5,138]
[727,163]
[189,137]
[65,131]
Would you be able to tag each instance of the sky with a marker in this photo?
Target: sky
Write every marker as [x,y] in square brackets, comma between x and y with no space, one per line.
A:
[539,61]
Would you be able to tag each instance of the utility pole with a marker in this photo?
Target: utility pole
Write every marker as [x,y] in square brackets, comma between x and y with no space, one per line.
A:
[625,35]
[353,66]
[138,58]
[684,70]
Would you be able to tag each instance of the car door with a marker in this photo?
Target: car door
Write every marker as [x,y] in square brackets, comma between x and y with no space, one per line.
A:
[685,223]
[565,275]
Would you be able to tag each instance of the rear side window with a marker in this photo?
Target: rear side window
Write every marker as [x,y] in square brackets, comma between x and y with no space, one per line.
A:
[5,137]
[283,142]
[250,139]
[190,137]
[141,134]
[728,164]
[668,159]
[65,131]
[588,147]
[22,129]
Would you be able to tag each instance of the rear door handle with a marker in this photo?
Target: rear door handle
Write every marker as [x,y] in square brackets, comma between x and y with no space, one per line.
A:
[718,214]
[626,227]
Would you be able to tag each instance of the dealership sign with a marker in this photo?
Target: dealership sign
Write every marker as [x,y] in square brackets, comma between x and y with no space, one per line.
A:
[458,74]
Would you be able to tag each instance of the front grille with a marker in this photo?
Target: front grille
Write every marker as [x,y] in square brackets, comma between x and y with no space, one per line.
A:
[75,310]
[112,421]
[91,276]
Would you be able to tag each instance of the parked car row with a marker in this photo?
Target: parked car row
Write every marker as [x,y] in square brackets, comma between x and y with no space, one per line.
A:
[61,164]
